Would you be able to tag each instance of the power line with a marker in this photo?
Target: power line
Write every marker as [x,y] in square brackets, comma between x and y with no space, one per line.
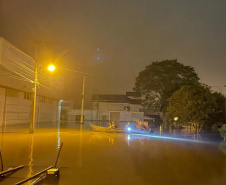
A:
[14,77]
[20,64]
[18,74]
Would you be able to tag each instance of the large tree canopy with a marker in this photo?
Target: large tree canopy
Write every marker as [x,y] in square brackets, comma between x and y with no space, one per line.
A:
[192,104]
[160,80]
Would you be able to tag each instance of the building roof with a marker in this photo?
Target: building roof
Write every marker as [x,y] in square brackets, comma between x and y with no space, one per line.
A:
[115,99]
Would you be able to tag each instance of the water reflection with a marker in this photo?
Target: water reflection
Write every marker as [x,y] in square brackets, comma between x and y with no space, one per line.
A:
[115,158]
[102,137]
[80,146]
[170,164]
[128,138]
[58,136]
[30,164]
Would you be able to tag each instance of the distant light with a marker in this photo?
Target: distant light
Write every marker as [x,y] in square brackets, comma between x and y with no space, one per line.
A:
[51,67]
[98,58]
[129,129]
[176,118]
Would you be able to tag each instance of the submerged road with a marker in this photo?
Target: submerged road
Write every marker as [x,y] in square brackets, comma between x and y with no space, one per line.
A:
[92,158]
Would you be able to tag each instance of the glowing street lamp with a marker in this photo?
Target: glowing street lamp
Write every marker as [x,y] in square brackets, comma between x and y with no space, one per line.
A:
[176,118]
[51,67]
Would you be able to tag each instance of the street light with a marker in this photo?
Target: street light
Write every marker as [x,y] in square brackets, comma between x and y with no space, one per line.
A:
[175,119]
[52,68]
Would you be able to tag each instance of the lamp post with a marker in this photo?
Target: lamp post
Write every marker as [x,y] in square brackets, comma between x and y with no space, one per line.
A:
[52,68]
[33,105]
[175,119]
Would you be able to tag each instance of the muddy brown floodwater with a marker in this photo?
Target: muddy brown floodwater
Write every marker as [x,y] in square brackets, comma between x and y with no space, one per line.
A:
[92,158]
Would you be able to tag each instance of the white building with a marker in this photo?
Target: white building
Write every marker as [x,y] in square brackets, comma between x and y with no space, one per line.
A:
[16,76]
[118,108]
[108,108]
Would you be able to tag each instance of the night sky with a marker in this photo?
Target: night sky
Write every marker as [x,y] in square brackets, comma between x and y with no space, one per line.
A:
[130,34]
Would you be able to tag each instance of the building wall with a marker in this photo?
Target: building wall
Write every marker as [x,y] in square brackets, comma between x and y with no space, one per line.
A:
[103,109]
[88,114]
[125,116]
[91,115]
[116,106]
[45,112]
[66,104]
[55,112]
[102,115]
[2,104]
[16,109]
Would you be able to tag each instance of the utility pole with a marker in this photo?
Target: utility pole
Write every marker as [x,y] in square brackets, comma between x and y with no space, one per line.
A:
[83,93]
[33,105]
[83,89]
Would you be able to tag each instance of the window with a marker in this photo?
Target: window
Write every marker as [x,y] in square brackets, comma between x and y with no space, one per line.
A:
[27,96]
[127,108]
[12,93]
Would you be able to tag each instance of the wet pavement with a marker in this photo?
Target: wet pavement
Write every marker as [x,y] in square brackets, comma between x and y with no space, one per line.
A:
[92,158]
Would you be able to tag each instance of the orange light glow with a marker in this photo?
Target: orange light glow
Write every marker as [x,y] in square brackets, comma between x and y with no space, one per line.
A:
[51,67]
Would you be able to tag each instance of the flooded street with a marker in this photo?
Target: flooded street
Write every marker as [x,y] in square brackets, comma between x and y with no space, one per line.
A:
[92,158]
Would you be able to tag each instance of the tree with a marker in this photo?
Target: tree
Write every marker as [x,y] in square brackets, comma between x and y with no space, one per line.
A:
[159,80]
[218,115]
[191,104]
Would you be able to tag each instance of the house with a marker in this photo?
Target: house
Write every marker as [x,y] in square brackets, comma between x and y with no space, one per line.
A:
[118,108]
[108,108]
[16,77]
